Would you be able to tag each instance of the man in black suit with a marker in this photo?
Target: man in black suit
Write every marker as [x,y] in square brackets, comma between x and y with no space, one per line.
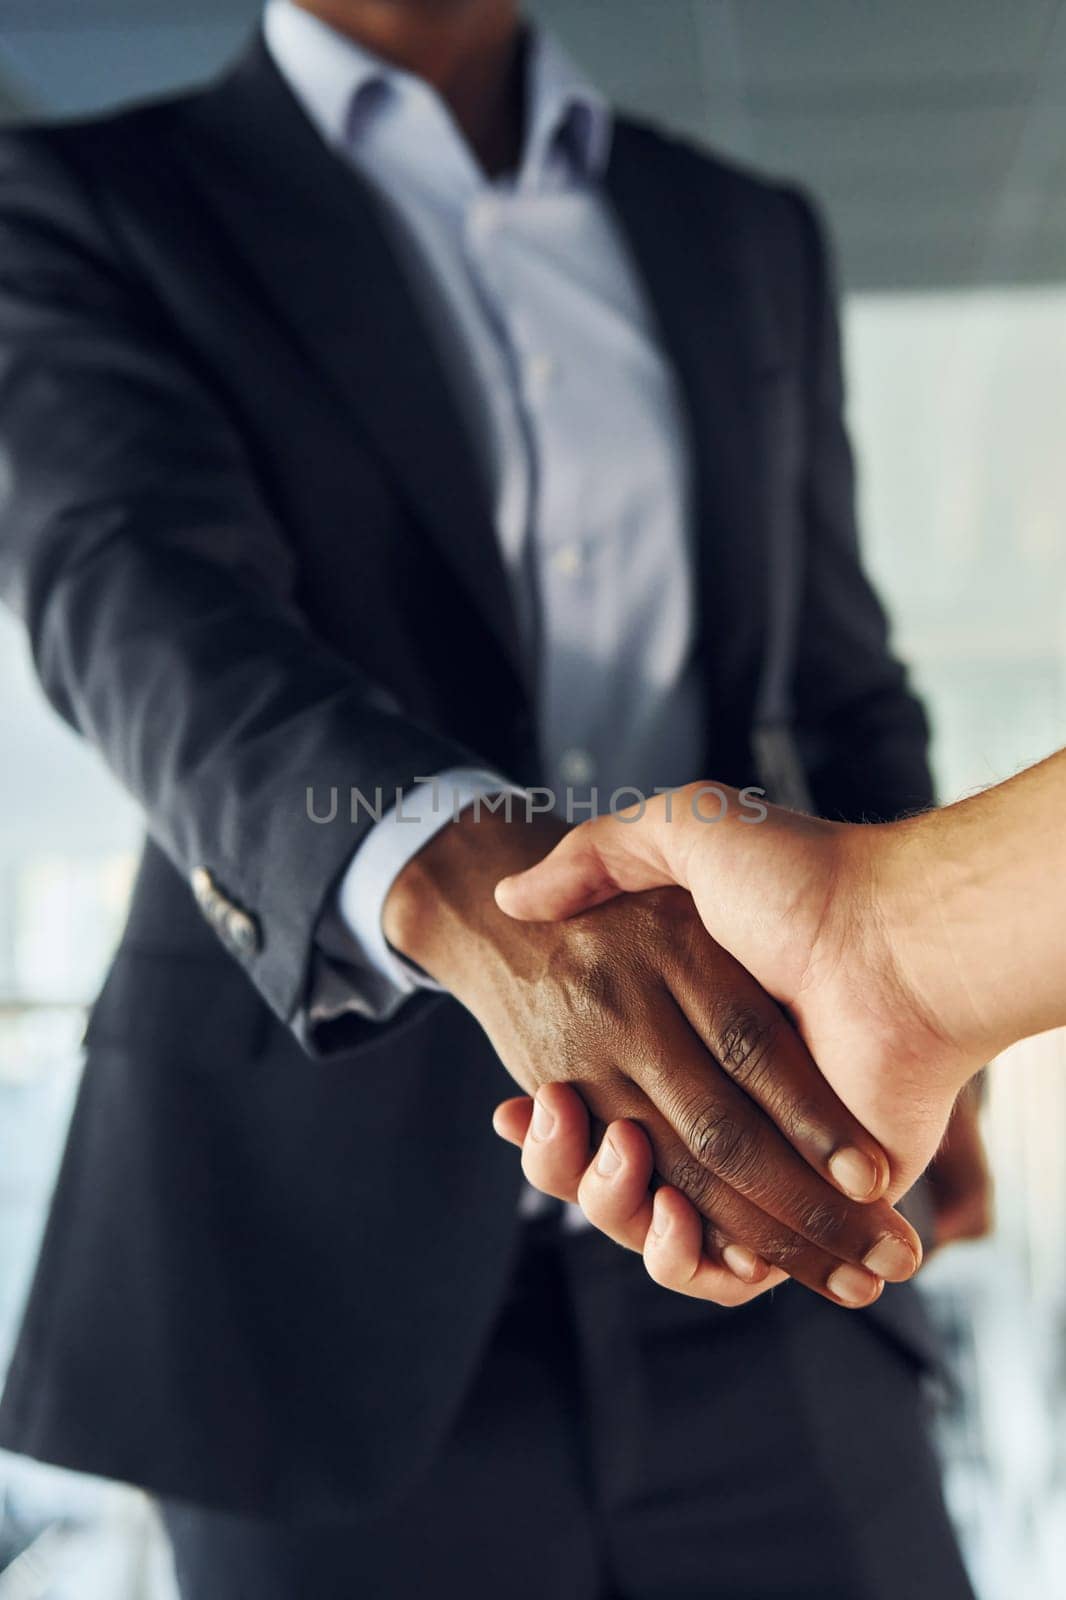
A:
[300,509]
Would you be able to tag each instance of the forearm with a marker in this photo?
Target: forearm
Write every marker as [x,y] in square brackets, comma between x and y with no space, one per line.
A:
[973,898]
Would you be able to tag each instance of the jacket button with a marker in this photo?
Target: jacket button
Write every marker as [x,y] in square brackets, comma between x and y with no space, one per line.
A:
[237,929]
[203,887]
[242,932]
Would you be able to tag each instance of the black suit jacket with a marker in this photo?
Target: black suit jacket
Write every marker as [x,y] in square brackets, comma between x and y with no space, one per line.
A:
[245,529]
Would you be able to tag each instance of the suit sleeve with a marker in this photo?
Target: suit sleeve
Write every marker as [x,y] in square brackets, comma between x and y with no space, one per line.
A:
[862,730]
[356,969]
[156,589]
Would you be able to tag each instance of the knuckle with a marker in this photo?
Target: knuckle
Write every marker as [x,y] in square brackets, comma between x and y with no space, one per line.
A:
[776,1244]
[657,1269]
[544,1175]
[661,909]
[726,1294]
[600,996]
[719,1142]
[667,1272]
[592,1208]
[745,1044]
[600,1207]
[599,980]
[822,1222]
[694,1181]
[784,1250]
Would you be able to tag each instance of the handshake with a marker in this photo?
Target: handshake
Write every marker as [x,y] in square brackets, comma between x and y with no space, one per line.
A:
[724,1057]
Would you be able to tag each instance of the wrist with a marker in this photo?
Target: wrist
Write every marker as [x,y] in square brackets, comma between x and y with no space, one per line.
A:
[440,912]
[917,894]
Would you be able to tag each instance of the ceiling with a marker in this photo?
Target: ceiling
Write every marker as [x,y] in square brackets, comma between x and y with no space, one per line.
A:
[934,131]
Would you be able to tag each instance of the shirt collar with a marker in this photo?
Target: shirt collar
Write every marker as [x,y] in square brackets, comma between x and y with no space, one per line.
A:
[324,69]
[568,118]
[569,123]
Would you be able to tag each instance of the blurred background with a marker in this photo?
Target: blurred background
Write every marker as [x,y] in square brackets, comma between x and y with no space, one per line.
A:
[934,134]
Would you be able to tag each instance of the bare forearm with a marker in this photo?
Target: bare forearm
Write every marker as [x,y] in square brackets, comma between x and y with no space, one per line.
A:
[976,907]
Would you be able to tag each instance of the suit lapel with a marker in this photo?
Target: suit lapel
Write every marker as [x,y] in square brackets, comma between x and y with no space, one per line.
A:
[310,230]
[678,216]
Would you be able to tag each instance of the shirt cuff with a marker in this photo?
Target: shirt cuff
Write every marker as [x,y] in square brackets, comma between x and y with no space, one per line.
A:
[375,978]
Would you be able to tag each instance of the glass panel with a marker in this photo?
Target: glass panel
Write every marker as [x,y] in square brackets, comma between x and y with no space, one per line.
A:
[959,411]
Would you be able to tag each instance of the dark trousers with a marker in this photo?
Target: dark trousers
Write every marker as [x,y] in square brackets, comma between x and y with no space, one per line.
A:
[622,1443]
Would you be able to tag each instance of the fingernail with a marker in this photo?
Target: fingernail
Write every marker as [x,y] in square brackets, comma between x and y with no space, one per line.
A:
[543,1122]
[852,1285]
[891,1258]
[608,1161]
[659,1224]
[856,1174]
[742,1263]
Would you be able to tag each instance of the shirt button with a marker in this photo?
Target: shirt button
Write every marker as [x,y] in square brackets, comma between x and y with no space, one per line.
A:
[577,766]
[567,560]
[541,371]
[484,216]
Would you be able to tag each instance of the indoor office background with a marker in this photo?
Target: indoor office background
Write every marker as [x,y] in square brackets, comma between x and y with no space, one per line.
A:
[934,133]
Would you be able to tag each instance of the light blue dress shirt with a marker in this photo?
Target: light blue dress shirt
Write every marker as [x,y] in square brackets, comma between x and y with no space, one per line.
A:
[549,342]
